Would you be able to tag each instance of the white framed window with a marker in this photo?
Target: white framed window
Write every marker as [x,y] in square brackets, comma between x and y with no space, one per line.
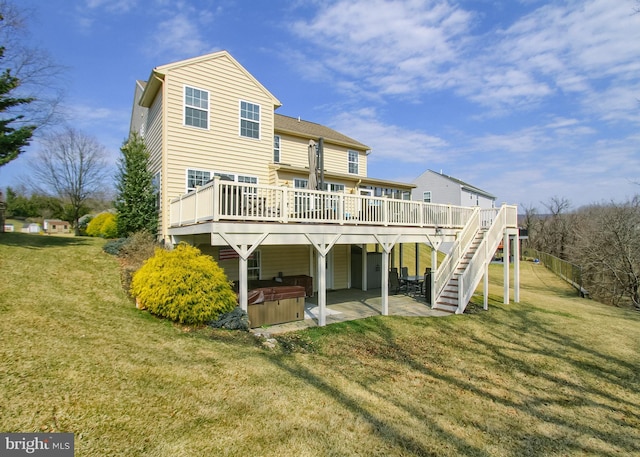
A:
[426,196]
[197,178]
[276,149]
[196,107]
[300,183]
[249,120]
[353,162]
[333,187]
[253,265]
[155,182]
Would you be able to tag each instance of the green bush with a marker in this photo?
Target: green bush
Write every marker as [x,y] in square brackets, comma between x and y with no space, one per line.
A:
[113,247]
[103,225]
[183,285]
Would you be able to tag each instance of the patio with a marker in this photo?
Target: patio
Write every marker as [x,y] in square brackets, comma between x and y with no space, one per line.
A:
[352,304]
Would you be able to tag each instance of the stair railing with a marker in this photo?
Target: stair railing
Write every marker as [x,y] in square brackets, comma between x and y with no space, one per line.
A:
[470,278]
[448,266]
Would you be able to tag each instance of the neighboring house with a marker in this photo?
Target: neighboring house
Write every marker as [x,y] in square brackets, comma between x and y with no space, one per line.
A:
[233,178]
[434,187]
[56,226]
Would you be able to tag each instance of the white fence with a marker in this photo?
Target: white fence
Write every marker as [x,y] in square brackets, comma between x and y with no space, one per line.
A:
[222,200]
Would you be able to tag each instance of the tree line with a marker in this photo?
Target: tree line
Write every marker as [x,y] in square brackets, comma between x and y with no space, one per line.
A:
[602,239]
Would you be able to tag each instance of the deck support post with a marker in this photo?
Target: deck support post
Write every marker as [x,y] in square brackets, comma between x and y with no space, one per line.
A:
[323,245]
[365,279]
[243,290]
[322,288]
[387,243]
[505,260]
[516,267]
[485,286]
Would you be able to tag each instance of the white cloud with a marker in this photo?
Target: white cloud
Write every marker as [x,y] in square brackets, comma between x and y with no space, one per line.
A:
[389,142]
[407,48]
[393,47]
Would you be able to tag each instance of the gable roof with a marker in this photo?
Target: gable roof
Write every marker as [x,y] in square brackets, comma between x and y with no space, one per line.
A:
[156,77]
[464,185]
[311,130]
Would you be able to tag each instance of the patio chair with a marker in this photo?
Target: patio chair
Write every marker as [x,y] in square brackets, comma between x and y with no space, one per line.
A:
[394,282]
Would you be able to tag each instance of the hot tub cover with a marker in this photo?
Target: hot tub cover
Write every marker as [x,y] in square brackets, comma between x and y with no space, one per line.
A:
[263,294]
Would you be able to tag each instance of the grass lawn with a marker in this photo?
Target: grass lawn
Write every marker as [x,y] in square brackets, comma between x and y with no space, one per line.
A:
[552,375]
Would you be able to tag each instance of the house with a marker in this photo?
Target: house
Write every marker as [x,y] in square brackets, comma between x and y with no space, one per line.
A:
[56,226]
[268,195]
[434,187]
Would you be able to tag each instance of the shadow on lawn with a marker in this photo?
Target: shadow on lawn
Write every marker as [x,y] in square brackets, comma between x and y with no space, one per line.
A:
[32,241]
[531,399]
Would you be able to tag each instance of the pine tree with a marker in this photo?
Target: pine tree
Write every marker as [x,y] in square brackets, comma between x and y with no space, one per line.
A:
[136,200]
[12,140]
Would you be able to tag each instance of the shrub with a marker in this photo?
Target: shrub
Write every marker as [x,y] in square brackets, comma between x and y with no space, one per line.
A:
[113,247]
[238,319]
[183,285]
[104,225]
[139,247]
[132,251]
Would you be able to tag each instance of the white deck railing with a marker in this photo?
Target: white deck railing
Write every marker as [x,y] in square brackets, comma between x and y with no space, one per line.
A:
[470,278]
[229,201]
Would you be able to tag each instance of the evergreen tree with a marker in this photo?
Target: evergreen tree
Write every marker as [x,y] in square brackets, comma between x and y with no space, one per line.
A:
[12,139]
[136,200]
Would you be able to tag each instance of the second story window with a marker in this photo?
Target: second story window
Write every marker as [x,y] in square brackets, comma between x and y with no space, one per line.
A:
[249,120]
[426,196]
[196,107]
[353,162]
[276,149]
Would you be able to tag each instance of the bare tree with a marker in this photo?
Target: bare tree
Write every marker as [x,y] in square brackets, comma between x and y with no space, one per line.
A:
[530,222]
[555,234]
[40,77]
[607,247]
[73,167]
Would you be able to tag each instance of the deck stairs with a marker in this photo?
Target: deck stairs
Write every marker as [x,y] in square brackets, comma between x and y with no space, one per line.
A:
[448,298]
[466,263]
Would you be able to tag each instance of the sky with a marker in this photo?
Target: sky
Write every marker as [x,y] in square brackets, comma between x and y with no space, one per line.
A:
[528,100]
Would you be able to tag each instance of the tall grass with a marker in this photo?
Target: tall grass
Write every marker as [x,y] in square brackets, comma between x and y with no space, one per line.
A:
[552,375]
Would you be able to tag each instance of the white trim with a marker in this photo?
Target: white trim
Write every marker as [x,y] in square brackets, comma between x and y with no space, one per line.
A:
[356,162]
[279,149]
[185,106]
[186,173]
[240,119]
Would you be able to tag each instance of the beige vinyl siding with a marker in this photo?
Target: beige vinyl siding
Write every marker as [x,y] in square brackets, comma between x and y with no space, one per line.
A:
[290,260]
[341,266]
[220,147]
[294,151]
[153,135]
[153,143]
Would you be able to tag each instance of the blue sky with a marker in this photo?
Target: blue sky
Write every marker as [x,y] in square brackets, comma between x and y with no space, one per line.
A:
[527,99]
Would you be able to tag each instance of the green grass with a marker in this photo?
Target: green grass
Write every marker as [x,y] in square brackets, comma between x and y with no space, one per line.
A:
[552,375]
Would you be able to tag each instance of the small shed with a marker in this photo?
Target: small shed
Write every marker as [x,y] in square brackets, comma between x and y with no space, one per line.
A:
[31,228]
[56,226]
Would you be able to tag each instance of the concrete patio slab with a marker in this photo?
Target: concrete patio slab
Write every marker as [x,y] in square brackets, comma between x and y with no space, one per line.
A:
[352,304]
